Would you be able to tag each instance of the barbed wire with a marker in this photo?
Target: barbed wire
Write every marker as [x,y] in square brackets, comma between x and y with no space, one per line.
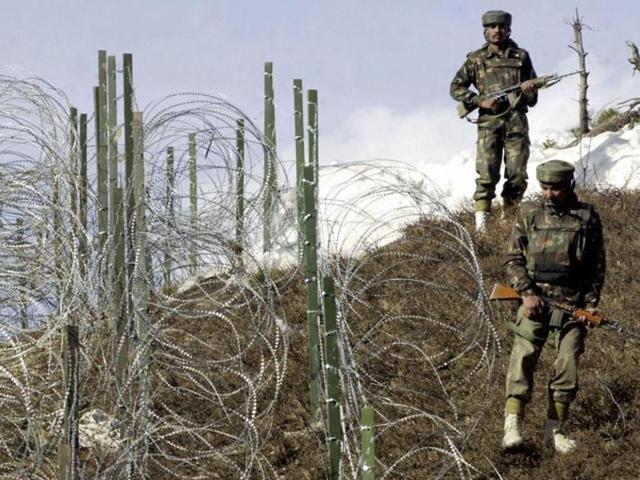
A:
[419,345]
[208,353]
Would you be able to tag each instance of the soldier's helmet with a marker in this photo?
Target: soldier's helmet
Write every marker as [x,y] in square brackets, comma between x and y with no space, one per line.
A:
[496,17]
[555,172]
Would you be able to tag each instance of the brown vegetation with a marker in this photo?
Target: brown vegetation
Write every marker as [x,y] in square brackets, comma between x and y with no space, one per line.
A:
[605,418]
[388,284]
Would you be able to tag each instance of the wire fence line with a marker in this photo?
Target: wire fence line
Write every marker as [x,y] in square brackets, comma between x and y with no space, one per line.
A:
[205,381]
[419,344]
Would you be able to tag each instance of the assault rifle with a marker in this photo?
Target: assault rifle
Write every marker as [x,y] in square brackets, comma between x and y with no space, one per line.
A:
[503,292]
[545,81]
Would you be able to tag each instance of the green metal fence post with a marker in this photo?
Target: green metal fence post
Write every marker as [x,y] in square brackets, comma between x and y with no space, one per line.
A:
[239,188]
[269,156]
[57,240]
[74,164]
[311,280]
[170,212]
[127,89]
[193,196]
[140,290]
[298,113]
[83,184]
[368,451]
[119,306]
[69,445]
[312,97]
[102,145]
[74,189]
[112,135]
[332,375]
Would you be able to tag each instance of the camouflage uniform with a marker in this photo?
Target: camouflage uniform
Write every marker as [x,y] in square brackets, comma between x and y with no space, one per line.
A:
[556,252]
[508,130]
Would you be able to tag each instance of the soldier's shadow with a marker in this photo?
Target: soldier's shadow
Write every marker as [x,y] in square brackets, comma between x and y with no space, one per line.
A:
[526,453]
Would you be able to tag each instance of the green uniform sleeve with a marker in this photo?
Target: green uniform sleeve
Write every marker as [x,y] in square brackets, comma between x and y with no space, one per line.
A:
[516,261]
[595,259]
[459,89]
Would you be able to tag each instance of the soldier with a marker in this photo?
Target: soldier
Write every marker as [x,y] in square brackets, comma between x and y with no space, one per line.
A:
[502,125]
[556,250]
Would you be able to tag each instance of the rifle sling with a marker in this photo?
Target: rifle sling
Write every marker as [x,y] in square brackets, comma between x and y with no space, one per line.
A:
[489,117]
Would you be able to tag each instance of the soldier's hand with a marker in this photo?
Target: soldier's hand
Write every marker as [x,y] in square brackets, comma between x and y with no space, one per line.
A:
[533,306]
[528,87]
[489,104]
[585,320]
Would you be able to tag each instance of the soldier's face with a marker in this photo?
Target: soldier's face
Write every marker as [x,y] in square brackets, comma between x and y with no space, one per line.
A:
[555,194]
[497,33]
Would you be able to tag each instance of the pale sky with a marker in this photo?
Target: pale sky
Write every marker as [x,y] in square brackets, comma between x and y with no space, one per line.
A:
[382,67]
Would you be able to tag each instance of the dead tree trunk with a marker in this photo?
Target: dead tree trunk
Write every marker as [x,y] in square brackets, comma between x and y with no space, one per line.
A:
[577,25]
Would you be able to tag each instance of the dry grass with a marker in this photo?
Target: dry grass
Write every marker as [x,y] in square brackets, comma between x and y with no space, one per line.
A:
[605,418]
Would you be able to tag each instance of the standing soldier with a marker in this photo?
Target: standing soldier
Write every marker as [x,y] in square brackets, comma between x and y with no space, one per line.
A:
[556,251]
[502,124]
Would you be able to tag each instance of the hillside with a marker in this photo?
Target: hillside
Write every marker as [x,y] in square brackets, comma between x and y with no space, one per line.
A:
[605,418]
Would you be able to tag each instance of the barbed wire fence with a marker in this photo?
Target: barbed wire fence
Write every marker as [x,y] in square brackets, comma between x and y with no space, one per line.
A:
[204,381]
[418,342]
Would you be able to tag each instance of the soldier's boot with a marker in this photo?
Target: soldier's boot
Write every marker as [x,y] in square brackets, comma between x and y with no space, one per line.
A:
[554,437]
[483,213]
[482,222]
[512,438]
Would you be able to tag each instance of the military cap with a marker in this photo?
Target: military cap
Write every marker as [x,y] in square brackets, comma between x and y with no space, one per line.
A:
[496,17]
[555,172]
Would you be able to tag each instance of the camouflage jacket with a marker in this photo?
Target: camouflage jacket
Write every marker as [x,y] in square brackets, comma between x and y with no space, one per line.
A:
[489,72]
[557,252]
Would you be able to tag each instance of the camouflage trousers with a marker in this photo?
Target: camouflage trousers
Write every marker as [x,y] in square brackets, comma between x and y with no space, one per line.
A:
[506,137]
[529,340]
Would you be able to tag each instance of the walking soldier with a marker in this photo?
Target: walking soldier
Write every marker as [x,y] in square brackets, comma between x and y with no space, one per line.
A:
[555,250]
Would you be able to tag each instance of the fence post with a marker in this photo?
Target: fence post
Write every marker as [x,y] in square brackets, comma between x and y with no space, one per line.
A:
[121,317]
[74,164]
[57,241]
[269,155]
[170,212]
[127,92]
[368,452]
[74,193]
[102,144]
[68,447]
[193,196]
[112,135]
[311,280]
[82,201]
[298,113]
[240,189]
[140,290]
[312,96]
[332,375]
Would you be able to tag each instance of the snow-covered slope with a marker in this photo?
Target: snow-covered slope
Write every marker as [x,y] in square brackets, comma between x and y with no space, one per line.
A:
[365,204]
[611,159]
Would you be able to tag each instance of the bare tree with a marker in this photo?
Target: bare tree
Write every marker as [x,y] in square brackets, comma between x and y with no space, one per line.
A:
[577,24]
[631,115]
[635,56]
